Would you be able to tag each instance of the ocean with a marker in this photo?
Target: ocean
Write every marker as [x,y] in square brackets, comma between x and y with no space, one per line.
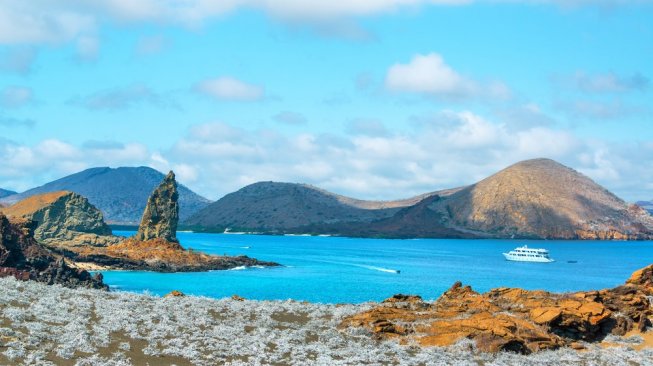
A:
[348,270]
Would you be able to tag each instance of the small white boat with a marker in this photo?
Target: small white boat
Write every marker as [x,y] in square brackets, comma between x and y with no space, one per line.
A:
[526,254]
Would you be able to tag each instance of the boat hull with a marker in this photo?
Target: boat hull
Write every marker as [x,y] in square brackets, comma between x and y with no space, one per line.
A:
[514,258]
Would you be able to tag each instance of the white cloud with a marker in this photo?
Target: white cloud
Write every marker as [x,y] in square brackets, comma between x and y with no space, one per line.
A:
[430,75]
[53,21]
[448,149]
[124,98]
[15,96]
[229,88]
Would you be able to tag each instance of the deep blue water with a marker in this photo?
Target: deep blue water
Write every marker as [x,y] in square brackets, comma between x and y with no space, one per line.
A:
[334,270]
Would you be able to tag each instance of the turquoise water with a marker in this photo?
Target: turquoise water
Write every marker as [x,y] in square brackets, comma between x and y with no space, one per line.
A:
[338,270]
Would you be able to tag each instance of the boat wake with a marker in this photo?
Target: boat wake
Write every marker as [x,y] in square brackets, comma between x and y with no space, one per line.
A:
[241,268]
[381,269]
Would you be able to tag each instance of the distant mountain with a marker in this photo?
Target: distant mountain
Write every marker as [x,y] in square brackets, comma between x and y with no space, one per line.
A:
[5,193]
[647,205]
[273,206]
[121,194]
[541,198]
[537,198]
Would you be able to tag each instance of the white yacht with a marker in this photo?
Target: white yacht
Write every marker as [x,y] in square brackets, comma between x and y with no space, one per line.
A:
[526,254]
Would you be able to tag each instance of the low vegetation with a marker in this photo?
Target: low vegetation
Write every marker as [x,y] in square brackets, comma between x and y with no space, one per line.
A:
[52,325]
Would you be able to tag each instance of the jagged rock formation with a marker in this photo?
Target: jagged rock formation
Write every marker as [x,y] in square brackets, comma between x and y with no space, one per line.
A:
[155,246]
[64,220]
[541,198]
[161,213]
[6,193]
[119,193]
[513,319]
[22,257]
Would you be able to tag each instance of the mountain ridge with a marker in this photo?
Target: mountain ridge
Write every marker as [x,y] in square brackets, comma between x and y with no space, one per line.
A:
[537,198]
[120,193]
[280,205]
[6,193]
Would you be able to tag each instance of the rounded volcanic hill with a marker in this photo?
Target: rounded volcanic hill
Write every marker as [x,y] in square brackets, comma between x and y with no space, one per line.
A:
[120,193]
[541,198]
[279,206]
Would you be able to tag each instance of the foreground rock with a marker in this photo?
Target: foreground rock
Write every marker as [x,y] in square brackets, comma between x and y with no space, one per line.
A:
[22,257]
[46,325]
[513,319]
[64,220]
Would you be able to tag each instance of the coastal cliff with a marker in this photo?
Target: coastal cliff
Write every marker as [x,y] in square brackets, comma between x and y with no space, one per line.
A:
[22,257]
[64,220]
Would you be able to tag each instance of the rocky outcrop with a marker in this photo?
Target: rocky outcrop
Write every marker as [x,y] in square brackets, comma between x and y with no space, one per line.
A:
[513,319]
[22,257]
[161,213]
[155,246]
[63,220]
[159,255]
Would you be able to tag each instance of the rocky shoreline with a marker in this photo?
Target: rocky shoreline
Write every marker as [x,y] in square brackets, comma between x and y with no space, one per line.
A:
[52,325]
[68,227]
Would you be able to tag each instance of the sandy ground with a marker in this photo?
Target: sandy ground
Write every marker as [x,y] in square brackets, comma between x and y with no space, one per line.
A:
[51,325]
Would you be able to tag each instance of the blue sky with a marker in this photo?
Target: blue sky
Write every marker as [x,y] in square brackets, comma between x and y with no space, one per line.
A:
[373,99]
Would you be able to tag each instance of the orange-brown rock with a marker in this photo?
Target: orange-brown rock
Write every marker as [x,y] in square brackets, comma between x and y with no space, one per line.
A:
[175,293]
[159,255]
[512,319]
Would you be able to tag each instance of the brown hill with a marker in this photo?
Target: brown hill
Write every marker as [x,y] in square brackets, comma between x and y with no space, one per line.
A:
[541,198]
[63,219]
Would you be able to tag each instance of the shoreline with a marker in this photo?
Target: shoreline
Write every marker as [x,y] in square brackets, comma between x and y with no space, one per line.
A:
[100,328]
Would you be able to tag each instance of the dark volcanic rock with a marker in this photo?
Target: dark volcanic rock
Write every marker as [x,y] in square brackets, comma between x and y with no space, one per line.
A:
[22,257]
[289,207]
[64,220]
[120,193]
[161,213]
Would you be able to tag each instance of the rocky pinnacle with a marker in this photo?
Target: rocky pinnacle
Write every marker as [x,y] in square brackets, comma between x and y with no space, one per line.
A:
[161,213]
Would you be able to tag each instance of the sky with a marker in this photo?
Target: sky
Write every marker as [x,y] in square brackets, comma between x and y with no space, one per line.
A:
[380,99]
